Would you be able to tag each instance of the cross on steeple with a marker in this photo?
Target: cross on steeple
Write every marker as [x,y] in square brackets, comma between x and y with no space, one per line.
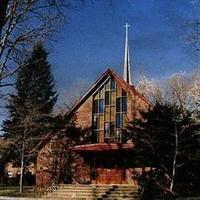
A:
[127,70]
[126,26]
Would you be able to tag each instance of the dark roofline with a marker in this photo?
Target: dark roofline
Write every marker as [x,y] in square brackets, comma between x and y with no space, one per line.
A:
[97,83]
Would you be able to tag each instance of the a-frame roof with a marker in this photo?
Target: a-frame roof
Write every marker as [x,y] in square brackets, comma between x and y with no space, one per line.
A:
[108,73]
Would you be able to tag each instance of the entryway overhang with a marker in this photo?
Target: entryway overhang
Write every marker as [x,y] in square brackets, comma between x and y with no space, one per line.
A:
[102,147]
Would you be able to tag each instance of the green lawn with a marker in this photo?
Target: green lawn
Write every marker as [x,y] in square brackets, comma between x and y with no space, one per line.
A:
[14,191]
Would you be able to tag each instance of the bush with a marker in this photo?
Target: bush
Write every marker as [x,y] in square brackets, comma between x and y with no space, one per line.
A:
[152,185]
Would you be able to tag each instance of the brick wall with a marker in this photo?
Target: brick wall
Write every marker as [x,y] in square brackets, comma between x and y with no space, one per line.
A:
[53,164]
[83,119]
[84,114]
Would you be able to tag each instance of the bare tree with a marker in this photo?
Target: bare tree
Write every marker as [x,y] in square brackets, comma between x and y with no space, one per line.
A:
[25,145]
[22,23]
[194,96]
[180,88]
[56,161]
[177,135]
[150,89]
[177,87]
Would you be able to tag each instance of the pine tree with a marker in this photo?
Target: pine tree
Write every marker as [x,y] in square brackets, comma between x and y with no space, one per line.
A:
[30,107]
[167,140]
[35,96]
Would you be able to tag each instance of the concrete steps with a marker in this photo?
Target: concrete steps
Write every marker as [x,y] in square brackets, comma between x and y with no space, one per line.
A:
[94,192]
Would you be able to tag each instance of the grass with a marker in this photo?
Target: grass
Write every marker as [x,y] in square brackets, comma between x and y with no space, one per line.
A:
[14,191]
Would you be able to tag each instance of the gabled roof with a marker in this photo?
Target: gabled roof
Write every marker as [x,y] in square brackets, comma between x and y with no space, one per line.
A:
[108,73]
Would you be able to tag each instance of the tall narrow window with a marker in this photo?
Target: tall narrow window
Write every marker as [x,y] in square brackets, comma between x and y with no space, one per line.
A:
[107,98]
[118,120]
[107,114]
[124,123]
[112,129]
[101,106]
[101,93]
[109,107]
[95,106]
[119,136]
[124,104]
[95,122]
[107,130]
[101,122]
[112,84]
[121,110]
[107,86]
[112,114]
[118,104]
[113,98]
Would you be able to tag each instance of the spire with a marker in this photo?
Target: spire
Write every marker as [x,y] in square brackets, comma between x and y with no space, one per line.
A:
[127,71]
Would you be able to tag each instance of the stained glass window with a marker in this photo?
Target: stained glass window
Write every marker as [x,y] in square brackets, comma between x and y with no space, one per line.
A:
[118,120]
[118,105]
[107,98]
[101,122]
[124,104]
[124,120]
[107,87]
[119,136]
[109,111]
[112,129]
[112,114]
[113,97]
[107,129]
[95,106]
[101,93]
[95,122]
[101,106]
[112,84]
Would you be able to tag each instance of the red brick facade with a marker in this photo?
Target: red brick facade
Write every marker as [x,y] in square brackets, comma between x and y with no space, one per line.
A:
[84,114]
[101,164]
[54,159]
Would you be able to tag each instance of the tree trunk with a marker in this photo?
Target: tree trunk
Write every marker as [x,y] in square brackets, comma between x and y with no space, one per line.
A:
[3,8]
[175,159]
[21,170]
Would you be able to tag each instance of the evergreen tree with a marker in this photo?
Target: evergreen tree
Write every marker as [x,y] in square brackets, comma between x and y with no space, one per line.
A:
[30,108]
[35,96]
[167,140]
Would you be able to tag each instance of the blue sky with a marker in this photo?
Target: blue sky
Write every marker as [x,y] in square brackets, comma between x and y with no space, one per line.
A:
[93,40]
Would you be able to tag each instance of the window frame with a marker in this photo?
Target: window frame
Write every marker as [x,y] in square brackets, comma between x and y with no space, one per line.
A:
[121,110]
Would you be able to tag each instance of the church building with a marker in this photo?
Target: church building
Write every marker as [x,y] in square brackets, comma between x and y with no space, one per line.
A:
[107,107]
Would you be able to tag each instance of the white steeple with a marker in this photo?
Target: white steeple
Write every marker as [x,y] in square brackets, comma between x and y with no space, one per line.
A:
[127,70]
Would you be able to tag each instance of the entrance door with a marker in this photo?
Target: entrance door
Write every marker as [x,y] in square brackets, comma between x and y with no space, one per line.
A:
[110,176]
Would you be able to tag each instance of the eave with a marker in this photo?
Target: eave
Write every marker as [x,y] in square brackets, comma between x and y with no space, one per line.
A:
[101,147]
